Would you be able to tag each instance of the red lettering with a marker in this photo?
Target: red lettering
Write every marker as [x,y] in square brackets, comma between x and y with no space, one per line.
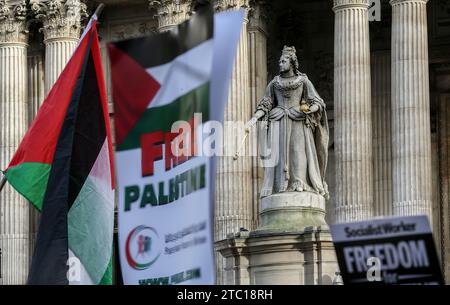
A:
[171,159]
[151,148]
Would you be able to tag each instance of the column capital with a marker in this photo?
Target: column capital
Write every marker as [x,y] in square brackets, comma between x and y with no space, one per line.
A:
[61,19]
[345,4]
[13,25]
[229,5]
[171,12]
[396,2]
[258,15]
[225,5]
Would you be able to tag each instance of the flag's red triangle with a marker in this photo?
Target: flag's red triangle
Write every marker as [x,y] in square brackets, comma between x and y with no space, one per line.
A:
[133,89]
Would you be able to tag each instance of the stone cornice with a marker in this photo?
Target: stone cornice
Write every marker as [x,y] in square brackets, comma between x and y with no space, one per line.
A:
[346,4]
[171,12]
[61,19]
[13,22]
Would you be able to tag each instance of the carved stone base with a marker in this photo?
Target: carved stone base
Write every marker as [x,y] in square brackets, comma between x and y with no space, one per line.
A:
[296,258]
[291,212]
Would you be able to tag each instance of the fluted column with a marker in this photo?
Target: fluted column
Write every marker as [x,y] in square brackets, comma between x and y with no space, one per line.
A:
[411,144]
[234,207]
[62,29]
[36,96]
[171,12]
[352,110]
[36,88]
[257,45]
[14,209]
[381,120]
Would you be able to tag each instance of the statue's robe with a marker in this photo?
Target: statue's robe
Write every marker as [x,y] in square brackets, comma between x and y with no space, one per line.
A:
[294,145]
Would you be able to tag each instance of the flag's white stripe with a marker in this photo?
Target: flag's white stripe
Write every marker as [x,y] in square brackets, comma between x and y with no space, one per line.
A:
[183,74]
[77,274]
[91,218]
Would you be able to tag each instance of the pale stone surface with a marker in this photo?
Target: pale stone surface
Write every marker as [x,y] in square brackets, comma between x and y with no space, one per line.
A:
[352,111]
[381,122]
[411,145]
[14,209]
[302,258]
[292,211]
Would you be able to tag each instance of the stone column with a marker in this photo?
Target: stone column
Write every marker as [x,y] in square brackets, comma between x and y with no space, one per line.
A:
[352,110]
[257,45]
[36,91]
[234,205]
[36,88]
[410,110]
[14,209]
[171,12]
[62,29]
[381,120]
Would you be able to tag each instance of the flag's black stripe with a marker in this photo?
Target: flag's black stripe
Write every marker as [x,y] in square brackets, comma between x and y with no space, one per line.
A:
[162,48]
[90,131]
[49,263]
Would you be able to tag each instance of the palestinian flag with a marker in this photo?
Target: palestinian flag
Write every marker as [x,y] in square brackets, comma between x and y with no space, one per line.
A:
[64,167]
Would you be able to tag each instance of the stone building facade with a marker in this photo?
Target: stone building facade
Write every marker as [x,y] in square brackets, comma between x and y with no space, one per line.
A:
[382,67]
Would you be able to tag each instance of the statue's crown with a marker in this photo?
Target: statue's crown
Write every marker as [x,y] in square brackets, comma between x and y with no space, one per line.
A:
[289,51]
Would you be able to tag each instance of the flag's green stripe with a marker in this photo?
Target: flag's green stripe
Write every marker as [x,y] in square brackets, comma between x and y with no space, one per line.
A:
[30,179]
[107,277]
[162,118]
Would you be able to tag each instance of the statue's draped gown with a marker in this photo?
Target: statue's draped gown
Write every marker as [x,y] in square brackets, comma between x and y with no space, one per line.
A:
[297,142]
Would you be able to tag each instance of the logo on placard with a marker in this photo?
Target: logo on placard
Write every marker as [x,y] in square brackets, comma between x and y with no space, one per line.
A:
[142,247]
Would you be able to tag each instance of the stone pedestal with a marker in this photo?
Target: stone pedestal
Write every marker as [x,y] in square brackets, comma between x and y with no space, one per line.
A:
[291,212]
[292,245]
[296,258]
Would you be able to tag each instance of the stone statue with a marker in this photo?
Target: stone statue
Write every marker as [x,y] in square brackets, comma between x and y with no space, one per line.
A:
[297,129]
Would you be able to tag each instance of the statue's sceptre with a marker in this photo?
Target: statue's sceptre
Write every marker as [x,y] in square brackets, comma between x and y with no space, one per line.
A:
[248,126]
